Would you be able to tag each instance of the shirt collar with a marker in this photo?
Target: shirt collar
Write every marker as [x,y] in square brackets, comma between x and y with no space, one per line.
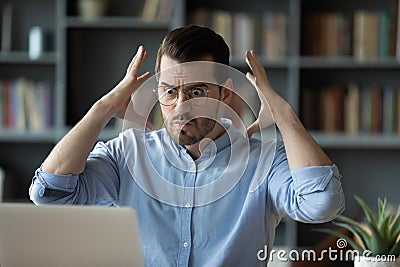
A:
[228,137]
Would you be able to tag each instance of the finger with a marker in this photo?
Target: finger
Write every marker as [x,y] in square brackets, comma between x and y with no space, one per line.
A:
[259,77]
[128,70]
[255,65]
[249,60]
[251,78]
[138,62]
[252,60]
[142,78]
[132,61]
[139,81]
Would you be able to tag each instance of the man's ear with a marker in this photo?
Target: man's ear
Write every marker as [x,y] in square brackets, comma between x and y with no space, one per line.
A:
[226,91]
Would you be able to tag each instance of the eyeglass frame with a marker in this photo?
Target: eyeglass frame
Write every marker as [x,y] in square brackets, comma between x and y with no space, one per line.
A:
[185,91]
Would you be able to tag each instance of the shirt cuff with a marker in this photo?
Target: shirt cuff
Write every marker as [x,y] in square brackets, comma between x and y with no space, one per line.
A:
[313,179]
[61,182]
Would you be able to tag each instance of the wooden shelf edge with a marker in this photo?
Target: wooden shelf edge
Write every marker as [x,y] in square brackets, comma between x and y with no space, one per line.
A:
[367,141]
[22,57]
[117,22]
[348,62]
[51,135]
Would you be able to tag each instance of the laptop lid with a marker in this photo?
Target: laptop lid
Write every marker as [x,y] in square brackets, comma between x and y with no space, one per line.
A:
[58,236]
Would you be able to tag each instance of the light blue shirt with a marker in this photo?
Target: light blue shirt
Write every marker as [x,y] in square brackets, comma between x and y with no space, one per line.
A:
[188,226]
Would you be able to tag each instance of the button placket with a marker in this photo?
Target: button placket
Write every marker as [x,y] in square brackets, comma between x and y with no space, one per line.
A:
[187,207]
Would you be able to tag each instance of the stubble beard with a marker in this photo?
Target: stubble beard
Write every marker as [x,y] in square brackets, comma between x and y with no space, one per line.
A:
[203,126]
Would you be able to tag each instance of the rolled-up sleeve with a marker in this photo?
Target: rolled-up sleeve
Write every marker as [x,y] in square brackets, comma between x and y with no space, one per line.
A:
[51,188]
[97,184]
[319,193]
[311,194]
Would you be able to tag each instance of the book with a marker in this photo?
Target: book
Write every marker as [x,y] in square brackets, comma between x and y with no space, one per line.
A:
[274,32]
[376,109]
[326,34]
[13,105]
[352,110]
[201,17]
[21,122]
[365,34]
[150,10]
[165,10]
[366,109]
[331,107]
[42,93]
[343,35]
[311,42]
[397,45]
[389,109]
[222,24]
[26,105]
[17,108]
[330,35]
[6,29]
[309,105]
[243,33]
[384,34]
[35,116]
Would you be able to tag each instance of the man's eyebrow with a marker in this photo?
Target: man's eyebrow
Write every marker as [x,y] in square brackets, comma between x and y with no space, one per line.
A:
[168,85]
[199,84]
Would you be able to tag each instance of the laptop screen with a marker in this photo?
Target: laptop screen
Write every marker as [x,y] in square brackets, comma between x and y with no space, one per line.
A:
[58,236]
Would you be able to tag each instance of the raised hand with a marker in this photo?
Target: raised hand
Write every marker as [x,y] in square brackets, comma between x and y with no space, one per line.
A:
[301,149]
[79,141]
[265,92]
[118,99]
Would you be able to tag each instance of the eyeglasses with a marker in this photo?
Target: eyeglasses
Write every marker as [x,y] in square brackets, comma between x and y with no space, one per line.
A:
[167,96]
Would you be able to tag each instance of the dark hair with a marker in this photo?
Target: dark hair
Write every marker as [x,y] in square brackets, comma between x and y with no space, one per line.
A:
[191,43]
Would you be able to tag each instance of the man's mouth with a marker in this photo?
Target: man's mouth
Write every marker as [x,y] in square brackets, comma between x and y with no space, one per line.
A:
[181,123]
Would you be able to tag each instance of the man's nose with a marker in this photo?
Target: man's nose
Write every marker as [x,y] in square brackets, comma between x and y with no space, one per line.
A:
[182,106]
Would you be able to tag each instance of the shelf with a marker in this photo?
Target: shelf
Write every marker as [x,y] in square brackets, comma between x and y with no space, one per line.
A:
[48,136]
[117,22]
[269,63]
[368,141]
[45,136]
[349,63]
[22,57]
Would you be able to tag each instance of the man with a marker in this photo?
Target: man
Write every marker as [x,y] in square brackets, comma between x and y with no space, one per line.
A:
[228,231]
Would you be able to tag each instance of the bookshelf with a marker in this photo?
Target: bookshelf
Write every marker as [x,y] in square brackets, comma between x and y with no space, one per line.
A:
[78,54]
[74,61]
[300,68]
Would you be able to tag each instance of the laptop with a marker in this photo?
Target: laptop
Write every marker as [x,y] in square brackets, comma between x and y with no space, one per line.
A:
[68,236]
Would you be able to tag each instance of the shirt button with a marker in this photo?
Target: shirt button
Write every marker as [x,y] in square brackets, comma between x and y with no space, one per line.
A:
[185,245]
[187,205]
[192,168]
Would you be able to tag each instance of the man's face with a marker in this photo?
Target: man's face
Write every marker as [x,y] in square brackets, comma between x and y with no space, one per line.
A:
[186,120]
